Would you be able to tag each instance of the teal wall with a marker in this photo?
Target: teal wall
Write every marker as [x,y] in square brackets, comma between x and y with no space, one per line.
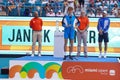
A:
[4,62]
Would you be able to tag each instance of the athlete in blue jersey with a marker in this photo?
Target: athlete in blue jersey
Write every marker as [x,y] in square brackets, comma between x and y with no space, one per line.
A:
[103,27]
[69,23]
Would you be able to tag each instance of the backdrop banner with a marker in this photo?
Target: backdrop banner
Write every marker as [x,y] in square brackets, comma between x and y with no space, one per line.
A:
[15,34]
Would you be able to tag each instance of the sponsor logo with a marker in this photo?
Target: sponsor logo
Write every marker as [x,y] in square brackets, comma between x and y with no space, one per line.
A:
[29,69]
[112,72]
[74,69]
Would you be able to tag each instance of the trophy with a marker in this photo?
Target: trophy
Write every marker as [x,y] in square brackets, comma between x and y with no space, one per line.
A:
[57,25]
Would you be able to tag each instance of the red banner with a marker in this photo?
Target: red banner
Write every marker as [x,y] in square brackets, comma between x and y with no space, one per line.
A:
[91,70]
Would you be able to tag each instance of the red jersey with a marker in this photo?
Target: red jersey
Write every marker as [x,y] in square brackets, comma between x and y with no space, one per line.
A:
[36,24]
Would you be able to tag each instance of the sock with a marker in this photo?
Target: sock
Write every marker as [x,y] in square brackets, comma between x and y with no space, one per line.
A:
[105,53]
[100,52]
[70,53]
[65,54]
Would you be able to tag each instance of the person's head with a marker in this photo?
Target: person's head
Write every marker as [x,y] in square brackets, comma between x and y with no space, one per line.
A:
[112,12]
[57,1]
[38,8]
[70,10]
[104,13]
[59,11]
[91,12]
[97,0]
[103,4]
[92,5]
[36,14]
[113,0]
[115,5]
[98,12]
[26,12]
[65,0]
[82,13]
[119,11]
[51,11]
[47,4]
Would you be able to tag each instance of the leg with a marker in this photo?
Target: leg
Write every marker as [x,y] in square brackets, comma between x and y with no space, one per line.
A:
[105,49]
[106,40]
[83,3]
[85,43]
[34,38]
[65,45]
[100,38]
[71,47]
[65,48]
[39,42]
[100,49]
[79,3]
[66,8]
[79,43]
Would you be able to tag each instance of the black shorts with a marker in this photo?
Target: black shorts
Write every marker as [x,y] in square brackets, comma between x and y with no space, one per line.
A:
[81,2]
[103,37]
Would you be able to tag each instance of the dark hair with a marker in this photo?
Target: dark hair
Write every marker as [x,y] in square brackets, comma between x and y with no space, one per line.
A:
[27,12]
[70,8]
[115,5]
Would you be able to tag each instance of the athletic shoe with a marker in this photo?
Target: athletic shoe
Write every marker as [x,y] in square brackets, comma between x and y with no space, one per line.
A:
[64,58]
[86,56]
[32,55]
[78,54]
[118,60]
[39,54]
[70,57]
[100,56]
[105,56]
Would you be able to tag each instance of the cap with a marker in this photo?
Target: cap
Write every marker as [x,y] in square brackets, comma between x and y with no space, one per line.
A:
[59,11]
[51,10]
[105,12]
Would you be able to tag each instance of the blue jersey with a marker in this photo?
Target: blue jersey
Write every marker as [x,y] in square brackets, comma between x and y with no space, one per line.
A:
[103,24]
[69,22]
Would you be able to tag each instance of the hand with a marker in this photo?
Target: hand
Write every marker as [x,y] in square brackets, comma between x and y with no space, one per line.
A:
[69,25]
[82,31]
[100,32]
[76,27]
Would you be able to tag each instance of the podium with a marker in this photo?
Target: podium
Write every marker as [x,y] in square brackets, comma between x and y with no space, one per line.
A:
[58,44]
[50,68]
